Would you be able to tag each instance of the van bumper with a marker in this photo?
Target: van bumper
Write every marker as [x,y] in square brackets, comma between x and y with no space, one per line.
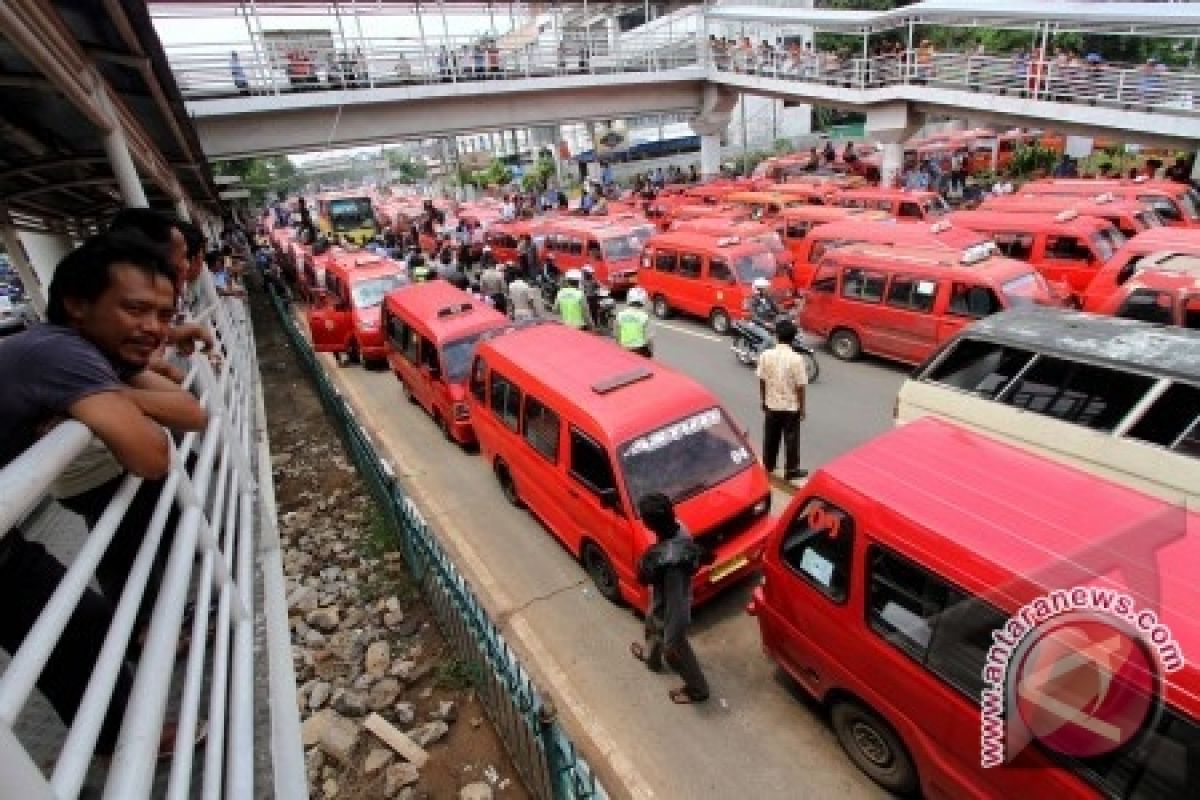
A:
[736,560]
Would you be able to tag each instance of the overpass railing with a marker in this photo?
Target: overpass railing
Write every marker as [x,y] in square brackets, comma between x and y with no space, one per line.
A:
[214,514]
[291,66]
[1125,86]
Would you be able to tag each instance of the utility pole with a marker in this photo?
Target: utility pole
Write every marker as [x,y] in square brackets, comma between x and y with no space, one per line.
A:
[745,142]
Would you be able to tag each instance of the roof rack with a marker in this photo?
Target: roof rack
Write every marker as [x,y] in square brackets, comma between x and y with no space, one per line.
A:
[1066,215]
[940,226]
[977,253]
[455,308]
[621,380]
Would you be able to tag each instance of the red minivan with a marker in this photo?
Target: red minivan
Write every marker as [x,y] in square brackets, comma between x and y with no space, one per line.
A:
[1164,289]
[904,302]
[432,329]
[1177,203]
[892,572]
[578,430]
[708,276]
[345,317]
[1126,262]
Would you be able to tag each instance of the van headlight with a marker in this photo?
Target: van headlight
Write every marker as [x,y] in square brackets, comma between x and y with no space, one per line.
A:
[762,506]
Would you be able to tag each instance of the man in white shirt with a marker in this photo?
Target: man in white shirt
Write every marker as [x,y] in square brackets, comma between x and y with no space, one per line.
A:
[782,378]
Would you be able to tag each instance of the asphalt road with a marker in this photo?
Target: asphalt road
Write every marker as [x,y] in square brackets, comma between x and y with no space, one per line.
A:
[757,737]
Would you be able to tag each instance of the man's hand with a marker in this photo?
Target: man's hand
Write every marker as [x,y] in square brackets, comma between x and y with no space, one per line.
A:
[161,366]
[184,337]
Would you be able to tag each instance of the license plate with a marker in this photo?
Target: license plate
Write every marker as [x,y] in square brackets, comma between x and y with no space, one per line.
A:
[722,571]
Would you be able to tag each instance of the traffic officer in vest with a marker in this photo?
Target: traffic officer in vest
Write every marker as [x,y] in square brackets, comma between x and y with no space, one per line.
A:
[570,303]
[633,324]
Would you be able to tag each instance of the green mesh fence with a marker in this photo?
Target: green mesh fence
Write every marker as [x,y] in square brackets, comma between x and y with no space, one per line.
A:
[541,751]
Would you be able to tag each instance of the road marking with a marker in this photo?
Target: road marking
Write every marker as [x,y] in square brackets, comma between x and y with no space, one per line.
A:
[709,336]
[475,567]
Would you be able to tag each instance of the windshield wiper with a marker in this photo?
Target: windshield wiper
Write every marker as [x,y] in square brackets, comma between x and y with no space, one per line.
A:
[692,491]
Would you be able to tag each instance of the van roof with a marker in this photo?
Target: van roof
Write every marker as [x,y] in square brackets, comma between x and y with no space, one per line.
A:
[933,256]
[1156,349]
[424,301]
[1029,223]
[880,191]
[568,363]
[710,241]
[1170,261]
[890,231]
[832,213]
[1184,240]
[1093,206]
[357,270]
[998,520]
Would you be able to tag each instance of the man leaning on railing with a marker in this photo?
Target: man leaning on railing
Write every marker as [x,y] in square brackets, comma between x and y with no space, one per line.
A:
[110,307]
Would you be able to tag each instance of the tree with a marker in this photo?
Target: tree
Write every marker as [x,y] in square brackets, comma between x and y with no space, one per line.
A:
[404,168]
[265,178]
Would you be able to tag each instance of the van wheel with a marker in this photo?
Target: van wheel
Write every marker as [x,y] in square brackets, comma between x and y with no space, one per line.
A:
[719,320]
[352,354]
[845,345]
[660,307]
[601,571]
[874,747]
[408,392]
[507,485]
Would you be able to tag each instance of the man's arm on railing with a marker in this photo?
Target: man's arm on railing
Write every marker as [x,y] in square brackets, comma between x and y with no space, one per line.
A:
[137,442]
[163,401]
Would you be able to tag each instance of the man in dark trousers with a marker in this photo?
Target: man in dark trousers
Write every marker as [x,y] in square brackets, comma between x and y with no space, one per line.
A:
[782,378]
[667,568]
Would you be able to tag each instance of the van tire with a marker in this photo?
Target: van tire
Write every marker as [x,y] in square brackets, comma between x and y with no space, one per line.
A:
[353,356]
[874,747]
[718,320]
[844,344]
[661,308]
[508,485]
[600,569]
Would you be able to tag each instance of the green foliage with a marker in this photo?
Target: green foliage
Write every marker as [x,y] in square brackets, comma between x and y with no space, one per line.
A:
[537,176]
[496,174]
[784,146]
[404,169]
[1028,159]
[458,673]
[264,177]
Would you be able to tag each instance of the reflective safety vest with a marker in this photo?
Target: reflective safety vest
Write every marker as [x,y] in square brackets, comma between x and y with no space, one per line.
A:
[631,328]
[570,305]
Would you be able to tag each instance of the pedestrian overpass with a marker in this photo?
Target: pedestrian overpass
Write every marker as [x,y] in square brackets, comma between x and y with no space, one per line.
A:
[373,90]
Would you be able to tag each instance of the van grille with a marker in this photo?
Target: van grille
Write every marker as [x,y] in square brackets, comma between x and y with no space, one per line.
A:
[714,537]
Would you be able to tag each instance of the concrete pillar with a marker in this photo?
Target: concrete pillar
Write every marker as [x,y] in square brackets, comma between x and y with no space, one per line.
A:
[893,163]
[44,251]
[119,158]
[614,31]
[710,155]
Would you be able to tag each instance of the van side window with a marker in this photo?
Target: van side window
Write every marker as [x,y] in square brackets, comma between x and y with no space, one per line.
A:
[395,329]
[589,463]
[478,387]
[593,250]
[664,261]
[971,300]
[429,355]
[863,284]
[1067,247]
[825,281]
[962,636]
[818,547]
[718,270]
[689,265]
[1173,421]
[506,400]
[910,210]
[903,602]
[412,346]
[1147,305]
[1015,245]
[1088,395]
[982,368]
[541,429]
[574,246]
[911,293]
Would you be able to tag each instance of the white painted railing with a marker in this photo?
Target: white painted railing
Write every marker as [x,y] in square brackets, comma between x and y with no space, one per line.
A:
[220,484]
[282,66]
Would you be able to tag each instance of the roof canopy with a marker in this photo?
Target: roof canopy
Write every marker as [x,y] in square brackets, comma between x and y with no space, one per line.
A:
[1146,19]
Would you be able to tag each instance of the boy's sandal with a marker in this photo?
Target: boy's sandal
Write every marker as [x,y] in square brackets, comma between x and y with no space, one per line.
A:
[683,696]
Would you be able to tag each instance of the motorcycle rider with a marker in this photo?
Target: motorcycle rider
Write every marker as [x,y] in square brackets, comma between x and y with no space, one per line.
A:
[525,301]
[591,290]
[632,324]
[763,311]
[570,303]
[491,286]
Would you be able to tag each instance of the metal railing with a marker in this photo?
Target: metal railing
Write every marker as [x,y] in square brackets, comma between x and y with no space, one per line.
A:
[282,66]
[542,753]
[1102,84]
[216,488]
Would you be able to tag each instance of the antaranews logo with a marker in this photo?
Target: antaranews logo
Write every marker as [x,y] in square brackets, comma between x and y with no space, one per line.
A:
[1078,670]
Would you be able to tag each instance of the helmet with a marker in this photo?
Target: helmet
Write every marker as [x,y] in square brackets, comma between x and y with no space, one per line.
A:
[761,284]
[574,275]
[637,296]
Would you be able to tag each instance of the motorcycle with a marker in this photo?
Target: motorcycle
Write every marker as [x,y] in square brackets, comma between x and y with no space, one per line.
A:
[751,338]
[548,286]
[604,310]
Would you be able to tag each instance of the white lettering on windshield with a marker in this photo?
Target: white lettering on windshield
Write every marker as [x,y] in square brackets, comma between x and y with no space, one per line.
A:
[673,433]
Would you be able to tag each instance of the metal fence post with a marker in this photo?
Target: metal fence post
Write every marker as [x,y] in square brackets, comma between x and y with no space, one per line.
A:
[556,762]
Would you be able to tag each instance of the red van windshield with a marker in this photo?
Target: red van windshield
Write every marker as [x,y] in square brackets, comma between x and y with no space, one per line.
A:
[684,458]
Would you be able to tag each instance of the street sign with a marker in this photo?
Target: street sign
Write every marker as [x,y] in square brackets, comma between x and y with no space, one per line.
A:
[226,180]
[235,194]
